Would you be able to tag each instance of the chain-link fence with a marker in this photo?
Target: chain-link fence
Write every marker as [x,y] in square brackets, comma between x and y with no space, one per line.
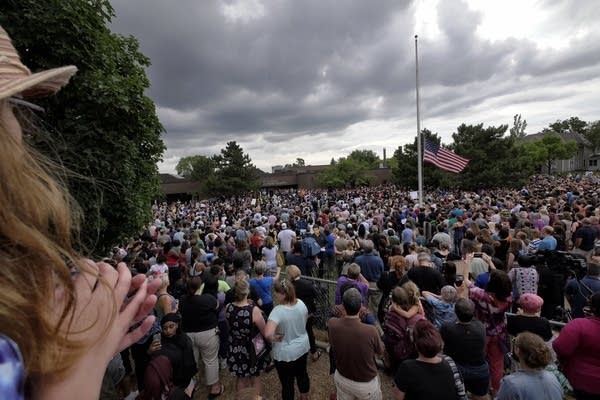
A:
[325,300]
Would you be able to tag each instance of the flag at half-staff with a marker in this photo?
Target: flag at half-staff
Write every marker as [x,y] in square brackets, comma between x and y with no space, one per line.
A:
[442,158]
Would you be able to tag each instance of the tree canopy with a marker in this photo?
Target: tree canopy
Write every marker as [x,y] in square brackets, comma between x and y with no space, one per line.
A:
[350,171]
[234,172]
[101,126]
[196,167]
[496,159]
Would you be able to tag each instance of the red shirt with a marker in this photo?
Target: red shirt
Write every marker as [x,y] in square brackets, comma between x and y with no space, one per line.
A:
[578,350]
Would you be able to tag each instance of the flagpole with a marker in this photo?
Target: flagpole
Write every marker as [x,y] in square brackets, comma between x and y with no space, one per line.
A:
[419,149]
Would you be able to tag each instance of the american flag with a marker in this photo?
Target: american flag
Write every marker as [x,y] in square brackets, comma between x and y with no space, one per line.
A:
[442,158]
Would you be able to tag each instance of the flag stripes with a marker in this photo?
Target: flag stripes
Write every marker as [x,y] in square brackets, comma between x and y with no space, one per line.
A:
[442,158]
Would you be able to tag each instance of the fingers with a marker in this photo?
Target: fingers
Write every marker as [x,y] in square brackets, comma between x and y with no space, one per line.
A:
[122,282]
[133,305]
[135,335]
[145,308]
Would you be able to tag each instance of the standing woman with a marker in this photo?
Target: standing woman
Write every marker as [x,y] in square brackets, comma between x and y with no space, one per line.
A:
[178,348]
[199,322]
[243,255]
[244,319]
[286,328]
[165,303]
[531,381]
[264,286]
[430,376]
[578,351]
[269,255]
[491,306]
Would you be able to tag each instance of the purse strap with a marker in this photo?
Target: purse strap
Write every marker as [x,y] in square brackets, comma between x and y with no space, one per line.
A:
[458,379]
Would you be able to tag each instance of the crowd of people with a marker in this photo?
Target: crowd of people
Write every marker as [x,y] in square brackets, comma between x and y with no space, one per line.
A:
[435,289]
[475,267]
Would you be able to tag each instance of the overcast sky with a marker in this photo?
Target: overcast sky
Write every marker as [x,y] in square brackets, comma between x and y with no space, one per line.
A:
[317,79]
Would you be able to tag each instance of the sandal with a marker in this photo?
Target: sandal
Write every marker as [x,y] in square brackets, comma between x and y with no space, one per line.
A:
[316,355]
[215,395]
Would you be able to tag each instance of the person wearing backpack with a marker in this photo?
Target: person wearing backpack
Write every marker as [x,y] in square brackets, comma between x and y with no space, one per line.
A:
[397,329]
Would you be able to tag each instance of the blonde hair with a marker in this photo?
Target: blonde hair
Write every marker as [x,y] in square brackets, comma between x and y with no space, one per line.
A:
[293,272]
[413,292]
[269,242]
[241,289]
[164,281]
[40,222]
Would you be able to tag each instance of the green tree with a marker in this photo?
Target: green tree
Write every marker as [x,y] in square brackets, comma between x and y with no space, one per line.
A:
[346,172]
[492,157]
[405,170]
[196,167]
[518,129]
[101,126]
[367,158]
[299,163]
[552,148]
[234,173]
[592,133]
[574,124]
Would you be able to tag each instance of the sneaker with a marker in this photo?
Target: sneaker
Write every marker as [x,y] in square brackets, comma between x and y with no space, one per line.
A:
[223,363]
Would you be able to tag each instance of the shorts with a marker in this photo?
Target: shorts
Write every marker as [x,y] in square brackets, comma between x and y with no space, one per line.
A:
[476,378]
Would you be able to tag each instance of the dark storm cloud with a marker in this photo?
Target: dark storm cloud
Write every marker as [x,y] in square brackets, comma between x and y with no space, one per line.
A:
[311,67]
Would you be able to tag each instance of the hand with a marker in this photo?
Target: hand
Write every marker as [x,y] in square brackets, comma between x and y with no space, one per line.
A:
[94,310]
[278,337]
[101,319]
[155,346]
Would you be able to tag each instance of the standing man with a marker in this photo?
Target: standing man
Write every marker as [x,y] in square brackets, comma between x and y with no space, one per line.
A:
[464,342]
[356,371]
[584,239]
[286,238]
[424,275]
[371,265]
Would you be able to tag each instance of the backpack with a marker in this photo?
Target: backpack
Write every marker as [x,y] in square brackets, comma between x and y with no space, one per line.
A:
[310,247]
[397,336]
[157,380]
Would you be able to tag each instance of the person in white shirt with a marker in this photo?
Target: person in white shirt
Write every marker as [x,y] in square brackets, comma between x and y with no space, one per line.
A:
[160,267]
[286,238]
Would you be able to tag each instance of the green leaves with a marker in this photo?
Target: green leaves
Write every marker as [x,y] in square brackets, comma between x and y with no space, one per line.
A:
[101,126]
[233,173]
[349,171]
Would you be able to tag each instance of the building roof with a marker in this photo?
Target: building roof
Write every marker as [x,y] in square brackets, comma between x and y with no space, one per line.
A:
[172,184]
[565,136]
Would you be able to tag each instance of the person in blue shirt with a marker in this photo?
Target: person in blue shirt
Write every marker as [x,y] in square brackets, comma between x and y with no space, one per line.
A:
[443,305]
[548,241]
[531,381]
[371,265]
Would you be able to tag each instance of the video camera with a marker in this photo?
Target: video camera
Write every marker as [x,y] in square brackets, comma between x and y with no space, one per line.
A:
[559,262]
